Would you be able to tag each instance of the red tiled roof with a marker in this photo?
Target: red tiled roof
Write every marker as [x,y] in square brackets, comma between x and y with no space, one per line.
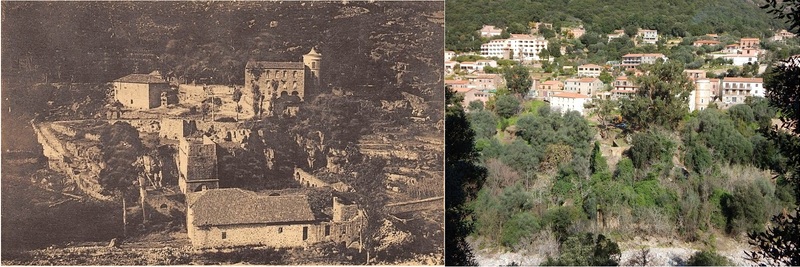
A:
[589,66]
[570,95]
[141,78]
[742,79]
[455,82]
[231,206]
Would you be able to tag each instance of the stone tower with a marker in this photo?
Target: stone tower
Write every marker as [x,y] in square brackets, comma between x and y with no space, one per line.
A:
[312,61]
[197,164]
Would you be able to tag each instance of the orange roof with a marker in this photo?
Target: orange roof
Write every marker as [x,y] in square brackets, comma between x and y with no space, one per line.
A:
[588,80]
[552,82]
[622,78]
[706,42]
[743,80]
[570,95]
[749,39]
[589,66]
[455,82]
[644,55]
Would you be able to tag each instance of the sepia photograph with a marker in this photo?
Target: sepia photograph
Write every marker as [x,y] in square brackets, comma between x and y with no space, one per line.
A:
[219,133]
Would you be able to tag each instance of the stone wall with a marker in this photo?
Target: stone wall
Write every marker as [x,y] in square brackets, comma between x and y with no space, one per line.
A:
[308,180]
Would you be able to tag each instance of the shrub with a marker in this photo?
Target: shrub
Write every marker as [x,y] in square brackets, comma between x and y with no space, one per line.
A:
[587,250]
[745,209]
[625,171]
[520,226]
[708,258]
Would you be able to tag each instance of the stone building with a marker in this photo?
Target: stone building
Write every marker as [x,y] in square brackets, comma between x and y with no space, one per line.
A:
[142,91]
[197,164]
[235,217]
[268,83]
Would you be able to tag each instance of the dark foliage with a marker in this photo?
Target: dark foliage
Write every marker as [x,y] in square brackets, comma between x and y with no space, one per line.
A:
[780,244]
[463,179]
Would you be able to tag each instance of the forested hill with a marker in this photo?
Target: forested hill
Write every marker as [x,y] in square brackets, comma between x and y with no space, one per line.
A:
[671,17]
[210,42]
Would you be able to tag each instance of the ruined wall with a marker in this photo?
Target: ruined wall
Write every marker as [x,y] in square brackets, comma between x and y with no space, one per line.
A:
[80,162]
[308,180]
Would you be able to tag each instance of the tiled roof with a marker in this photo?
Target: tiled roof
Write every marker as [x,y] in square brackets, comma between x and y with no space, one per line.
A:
[274,65]
[231,206]
[743,80]
[455,82]
[589,66]
[570,95]
[141,78]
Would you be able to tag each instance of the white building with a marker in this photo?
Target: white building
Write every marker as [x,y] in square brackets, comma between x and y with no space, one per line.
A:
[741,60]
[483,63]
[490,31]
[449,55]
[589,70]
[566,101]
[634,60]
[648,36]
[519,47]
[734,90]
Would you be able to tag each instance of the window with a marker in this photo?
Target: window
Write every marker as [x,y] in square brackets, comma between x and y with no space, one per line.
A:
[327,230]
[305,233]
[280,230]
[131,101]
[224,235]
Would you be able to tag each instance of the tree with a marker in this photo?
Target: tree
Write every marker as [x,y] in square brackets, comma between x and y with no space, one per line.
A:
[604,108]
[369,185]
[631,30]
[483,123]
[506,106]
[584,249]
[476,105]
[121,151]
[606,77]
[780,244]
[463,180]
[662,97]
[518,80]
[708,258]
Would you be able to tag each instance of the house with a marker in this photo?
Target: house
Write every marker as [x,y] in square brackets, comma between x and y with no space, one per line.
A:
[782,35]
[197,164]
[634,60]
[483,63]
[616,34]
[276,80]
[700,43]
[448,55]
[700,97]
[568,101]
[457,84]
[235,217]
[548,88]
[585,86]
[475,95]
[623,87]
[468,66]
[450,66]
[695,74]
[741,60]
[648,36]
[753,43]
[142,91]
[490,31]
[573,33]
[734,90]
[589,70]
[731,48]
[485,81]
[519,47]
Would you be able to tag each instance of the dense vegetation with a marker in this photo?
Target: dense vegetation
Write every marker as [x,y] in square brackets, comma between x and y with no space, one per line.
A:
[674,18]
[691,176]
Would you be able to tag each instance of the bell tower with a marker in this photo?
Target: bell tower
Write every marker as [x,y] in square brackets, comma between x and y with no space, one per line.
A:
[312,61]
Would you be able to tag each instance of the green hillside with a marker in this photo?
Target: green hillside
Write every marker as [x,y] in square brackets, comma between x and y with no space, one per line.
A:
[674,17]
